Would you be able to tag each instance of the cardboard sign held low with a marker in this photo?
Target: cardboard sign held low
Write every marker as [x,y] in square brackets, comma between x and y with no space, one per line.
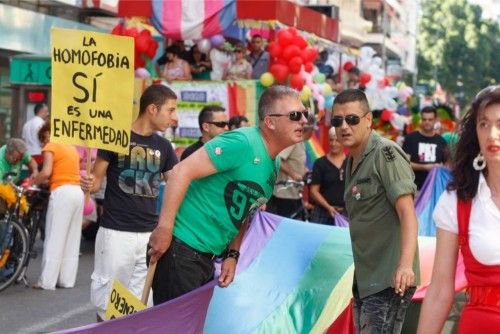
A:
[122,302]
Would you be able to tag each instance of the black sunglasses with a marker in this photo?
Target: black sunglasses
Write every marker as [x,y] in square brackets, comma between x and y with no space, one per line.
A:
[219,124]
[337,121]
[293,115]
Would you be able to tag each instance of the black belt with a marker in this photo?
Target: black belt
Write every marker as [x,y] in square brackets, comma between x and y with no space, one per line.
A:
[207,255]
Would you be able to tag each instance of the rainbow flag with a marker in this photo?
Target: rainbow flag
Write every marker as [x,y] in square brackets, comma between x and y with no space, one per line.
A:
[192,19]
[243,97]
[313,150]
[292,277]
[431,190]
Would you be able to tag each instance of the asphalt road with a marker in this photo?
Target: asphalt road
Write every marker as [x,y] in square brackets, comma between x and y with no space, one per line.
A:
[25,310]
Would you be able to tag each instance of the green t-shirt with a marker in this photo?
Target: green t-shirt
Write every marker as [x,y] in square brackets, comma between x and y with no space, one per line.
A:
[383,175]
[5,167]
[215,206]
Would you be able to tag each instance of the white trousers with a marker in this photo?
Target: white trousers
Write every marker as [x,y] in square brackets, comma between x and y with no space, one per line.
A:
[118,255]
[61,247]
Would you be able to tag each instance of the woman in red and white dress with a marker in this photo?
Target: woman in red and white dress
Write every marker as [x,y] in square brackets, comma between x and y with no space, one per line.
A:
[468,218]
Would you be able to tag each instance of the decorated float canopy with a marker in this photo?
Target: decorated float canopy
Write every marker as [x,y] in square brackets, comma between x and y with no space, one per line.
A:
[215,17]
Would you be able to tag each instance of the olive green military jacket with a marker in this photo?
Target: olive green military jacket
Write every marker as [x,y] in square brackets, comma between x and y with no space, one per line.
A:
[382,175]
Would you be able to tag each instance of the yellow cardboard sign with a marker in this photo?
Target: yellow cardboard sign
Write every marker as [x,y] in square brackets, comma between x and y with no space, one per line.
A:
[92,89]
[122,302]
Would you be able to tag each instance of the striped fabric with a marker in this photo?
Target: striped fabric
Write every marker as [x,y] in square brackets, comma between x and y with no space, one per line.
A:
[192,19]
[292,277]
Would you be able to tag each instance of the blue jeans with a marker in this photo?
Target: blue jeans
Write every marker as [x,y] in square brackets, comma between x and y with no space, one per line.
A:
[383,312]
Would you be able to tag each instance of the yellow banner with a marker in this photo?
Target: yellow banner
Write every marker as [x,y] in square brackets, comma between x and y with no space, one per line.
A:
[122,302]
[92,89]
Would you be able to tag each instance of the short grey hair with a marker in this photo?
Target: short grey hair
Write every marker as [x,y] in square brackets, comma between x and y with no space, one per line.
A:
[271,95]
[16,145]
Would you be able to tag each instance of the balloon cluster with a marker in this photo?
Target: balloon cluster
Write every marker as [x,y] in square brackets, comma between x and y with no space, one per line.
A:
[145,45]
[205,44]
[292,61]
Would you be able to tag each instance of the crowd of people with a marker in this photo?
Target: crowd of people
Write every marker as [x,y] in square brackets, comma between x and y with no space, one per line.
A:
[231,171]
[240,63]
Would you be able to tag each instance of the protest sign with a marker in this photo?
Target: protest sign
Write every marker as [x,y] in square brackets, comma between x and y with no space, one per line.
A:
[122,302]
[92,89]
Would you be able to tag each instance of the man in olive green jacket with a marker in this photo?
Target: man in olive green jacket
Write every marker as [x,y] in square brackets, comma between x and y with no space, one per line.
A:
[379,193]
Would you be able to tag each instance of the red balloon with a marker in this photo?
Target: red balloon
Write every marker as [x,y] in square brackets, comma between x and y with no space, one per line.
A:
[311,54]
[300,41]
[139,62]
[118,29]
[386,115]
[290,52]
[279,71]
[132,32]
[295,64]
[142,43]
[384,82]
[309,67]
[364,78]
[347,66]
[281,61]
[293,31]
[297,81]
[152,47]
[275,49]
[285,38]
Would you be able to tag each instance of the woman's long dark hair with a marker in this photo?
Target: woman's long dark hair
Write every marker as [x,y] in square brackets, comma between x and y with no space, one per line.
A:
[465,178]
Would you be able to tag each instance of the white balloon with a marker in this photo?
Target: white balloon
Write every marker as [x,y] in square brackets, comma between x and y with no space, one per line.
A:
[204,45]
[377,61]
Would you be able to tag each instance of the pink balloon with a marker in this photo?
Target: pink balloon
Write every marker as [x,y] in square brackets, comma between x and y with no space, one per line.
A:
[88,207]
[321,102]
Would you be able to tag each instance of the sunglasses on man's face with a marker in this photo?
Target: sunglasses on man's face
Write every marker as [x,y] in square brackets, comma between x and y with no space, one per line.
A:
[293,115]
[337,121]
[219,124]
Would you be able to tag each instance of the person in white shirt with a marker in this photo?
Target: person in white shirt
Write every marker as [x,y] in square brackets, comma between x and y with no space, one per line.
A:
[31,128]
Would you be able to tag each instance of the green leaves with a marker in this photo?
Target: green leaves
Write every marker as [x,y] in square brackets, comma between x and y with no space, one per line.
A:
[457,49]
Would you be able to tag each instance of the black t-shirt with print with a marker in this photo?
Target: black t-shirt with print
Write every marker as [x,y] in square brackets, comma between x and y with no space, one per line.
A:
[330,180]
[424,150]
[133,183]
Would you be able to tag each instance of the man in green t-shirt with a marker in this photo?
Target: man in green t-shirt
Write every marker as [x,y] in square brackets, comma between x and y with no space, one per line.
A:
[213,192]
[13,156]
[379,192]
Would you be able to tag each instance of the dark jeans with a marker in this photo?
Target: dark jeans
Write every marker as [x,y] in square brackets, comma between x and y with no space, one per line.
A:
[180,269]
[285,207]
[383,312]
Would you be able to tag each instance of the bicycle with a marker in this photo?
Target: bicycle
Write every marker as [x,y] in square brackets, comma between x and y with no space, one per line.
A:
[16,236]
[301,213]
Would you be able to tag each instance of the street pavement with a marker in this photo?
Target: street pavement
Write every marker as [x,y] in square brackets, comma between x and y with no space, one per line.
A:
[25,310]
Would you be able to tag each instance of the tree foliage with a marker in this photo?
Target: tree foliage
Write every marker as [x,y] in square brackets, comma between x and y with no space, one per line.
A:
[456,48]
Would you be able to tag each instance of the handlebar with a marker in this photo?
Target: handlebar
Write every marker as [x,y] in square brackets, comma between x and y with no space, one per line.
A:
[290,183]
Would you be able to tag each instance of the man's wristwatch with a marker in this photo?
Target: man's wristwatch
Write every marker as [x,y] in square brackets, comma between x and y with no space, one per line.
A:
[231,253]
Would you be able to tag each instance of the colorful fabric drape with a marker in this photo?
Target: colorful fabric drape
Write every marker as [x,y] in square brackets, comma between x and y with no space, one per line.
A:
[243,98]
[192,19]
[313,150]
[292,277]
[431,190]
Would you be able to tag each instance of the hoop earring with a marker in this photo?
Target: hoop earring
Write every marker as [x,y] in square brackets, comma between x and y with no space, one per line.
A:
[479,163]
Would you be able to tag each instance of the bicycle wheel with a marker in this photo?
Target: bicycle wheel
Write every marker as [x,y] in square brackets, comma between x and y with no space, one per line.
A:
[15,253]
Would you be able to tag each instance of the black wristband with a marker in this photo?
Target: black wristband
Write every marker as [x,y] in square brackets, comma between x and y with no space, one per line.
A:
[232,253]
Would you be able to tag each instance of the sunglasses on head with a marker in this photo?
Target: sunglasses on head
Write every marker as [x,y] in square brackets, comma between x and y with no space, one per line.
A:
[219,124]
[337,121]
[293,115]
